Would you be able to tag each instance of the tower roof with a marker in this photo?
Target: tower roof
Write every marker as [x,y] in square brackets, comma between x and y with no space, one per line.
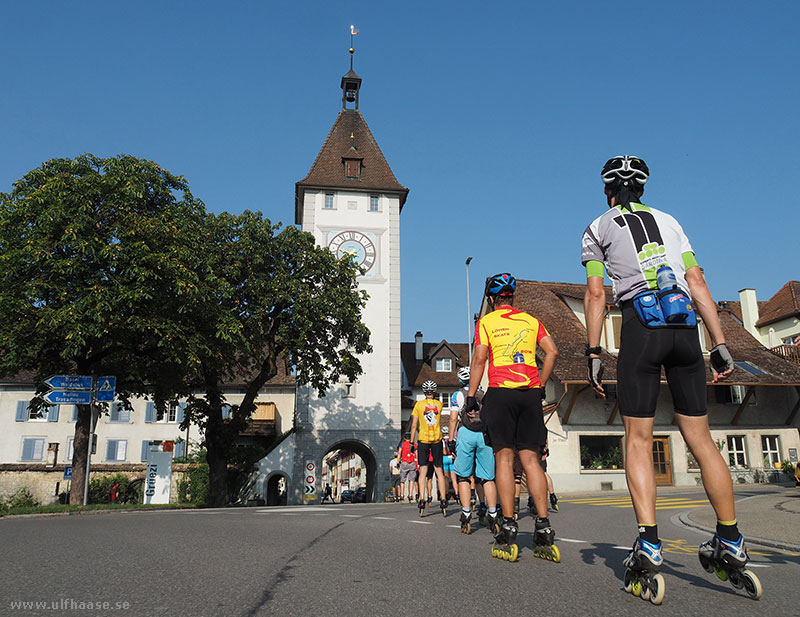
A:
[349,138]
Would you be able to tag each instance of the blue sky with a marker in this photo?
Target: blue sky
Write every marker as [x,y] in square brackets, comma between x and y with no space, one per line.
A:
[496,116]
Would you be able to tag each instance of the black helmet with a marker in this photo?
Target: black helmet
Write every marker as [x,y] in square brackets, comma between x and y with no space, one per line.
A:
[625,170]
[501,285]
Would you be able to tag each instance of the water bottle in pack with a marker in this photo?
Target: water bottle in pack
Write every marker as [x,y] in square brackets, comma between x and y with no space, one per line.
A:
[676,306]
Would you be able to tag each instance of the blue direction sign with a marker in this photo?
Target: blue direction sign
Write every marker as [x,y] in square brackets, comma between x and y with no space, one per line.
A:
[68,397]
[69,382]
[105,389]
[67,472]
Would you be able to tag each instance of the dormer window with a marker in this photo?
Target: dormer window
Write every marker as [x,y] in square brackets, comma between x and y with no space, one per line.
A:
[444,365]
[352,169]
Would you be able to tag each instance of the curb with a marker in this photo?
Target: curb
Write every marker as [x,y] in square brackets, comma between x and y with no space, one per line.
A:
[684,519]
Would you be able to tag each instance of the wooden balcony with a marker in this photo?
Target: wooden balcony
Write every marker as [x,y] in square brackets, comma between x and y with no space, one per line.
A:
[788,352]
[260,428]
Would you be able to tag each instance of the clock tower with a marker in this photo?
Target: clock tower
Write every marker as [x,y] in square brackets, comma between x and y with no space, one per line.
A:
[351,202]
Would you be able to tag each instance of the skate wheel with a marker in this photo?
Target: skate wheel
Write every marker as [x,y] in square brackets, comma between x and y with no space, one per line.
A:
[645,592]
[627,583]
[721,574]
[736,579]
[556,554]
[555,507]
[495,551]
[636,588]
[657,588]
[751,584]
[706,563]
[512,556]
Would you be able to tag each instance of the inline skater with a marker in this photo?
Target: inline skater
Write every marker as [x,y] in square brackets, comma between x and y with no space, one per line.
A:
[394,470]
[408,467]
[550,490]
[426,418]
[512,407]
[660,288]
[447,465]
[472,453]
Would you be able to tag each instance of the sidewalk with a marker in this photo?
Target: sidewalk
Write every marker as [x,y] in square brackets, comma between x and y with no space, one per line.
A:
[768,516]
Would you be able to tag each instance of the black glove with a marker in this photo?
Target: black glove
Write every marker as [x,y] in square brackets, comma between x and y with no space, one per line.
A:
[470,404]
[596,372]
[412,448]
[451,447]
[721,360]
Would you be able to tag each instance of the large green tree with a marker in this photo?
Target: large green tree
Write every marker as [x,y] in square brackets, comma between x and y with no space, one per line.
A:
[268,295]
[97,262]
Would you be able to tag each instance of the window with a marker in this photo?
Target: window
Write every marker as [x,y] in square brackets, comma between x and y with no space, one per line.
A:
[118,413]
[348,390]
[70,449]
[32,449]
[732,395]
[770,451]
[352,168]
[736,453]
[116,449]
[751,368]
[170,415]
[329,201]
[444,365]
[601,452]
[613,331]
[445,398]
[25,413]
[374,204]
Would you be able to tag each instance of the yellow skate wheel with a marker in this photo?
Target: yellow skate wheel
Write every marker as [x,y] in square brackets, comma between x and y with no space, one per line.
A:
[556,554]
[721,574]
[752,585]
[512,556]
[495,551]
[636,588]
[657,591]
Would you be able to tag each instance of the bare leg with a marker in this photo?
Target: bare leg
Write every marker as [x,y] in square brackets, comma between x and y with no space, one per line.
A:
[716,476]
[490,490]
[423,478]
[504,465]
[464,494]
[639,471]
[440,482]
[537,484]
[550,488]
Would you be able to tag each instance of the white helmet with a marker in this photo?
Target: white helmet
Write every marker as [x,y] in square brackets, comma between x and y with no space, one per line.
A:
[463,375]
[429,386]
[625,168]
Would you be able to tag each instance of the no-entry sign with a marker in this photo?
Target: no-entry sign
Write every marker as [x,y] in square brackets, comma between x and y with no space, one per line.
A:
[310,481]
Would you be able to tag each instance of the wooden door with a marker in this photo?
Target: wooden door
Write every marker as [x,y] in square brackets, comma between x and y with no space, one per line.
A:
[662,464]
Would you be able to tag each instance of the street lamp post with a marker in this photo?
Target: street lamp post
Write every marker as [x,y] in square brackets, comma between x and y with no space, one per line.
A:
[469,312]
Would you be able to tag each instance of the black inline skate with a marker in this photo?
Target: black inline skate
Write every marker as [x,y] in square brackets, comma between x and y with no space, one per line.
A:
[504,546]
[472,501]
[554,502]
[443,506]
[482,513]
[727,560]
[466,517]
[516,508]
[493,521]
[543,537]
[421,505]
[642,578]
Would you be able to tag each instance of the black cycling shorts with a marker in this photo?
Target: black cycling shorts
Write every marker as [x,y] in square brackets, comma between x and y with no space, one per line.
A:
[424,451]
[512,418]
[643,351]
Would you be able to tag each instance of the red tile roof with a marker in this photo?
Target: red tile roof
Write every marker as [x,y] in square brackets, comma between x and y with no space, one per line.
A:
[417,372]
[783,304]
[349,137]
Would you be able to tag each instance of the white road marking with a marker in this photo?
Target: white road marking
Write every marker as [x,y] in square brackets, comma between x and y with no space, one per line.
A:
[454,526]
[623,548]
[571,540]
[351,515]
[421,522]
[758,565]
[300,509]
[289,513]
[384,518]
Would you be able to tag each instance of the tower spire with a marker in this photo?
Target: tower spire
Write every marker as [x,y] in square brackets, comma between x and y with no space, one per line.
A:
[351,82]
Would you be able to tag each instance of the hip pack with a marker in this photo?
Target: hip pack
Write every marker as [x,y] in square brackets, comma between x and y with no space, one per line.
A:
[666,309]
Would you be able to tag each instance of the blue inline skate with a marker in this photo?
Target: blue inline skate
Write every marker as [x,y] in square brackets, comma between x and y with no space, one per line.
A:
[727,560]
[642,578]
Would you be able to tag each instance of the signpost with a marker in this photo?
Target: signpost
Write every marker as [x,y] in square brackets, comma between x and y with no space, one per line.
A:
[81,390]
[310,481]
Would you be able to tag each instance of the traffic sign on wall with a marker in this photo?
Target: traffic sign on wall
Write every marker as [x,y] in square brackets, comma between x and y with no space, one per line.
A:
[310,481]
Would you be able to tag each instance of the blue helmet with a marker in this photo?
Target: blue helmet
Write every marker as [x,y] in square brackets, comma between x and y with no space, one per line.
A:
[501,285]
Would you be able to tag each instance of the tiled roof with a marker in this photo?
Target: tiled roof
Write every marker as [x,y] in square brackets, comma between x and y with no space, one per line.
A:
[328,169]
[545,301]
[783,304]
[417,372]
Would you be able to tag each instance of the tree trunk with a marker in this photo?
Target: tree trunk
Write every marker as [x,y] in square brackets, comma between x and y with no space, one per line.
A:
[79,446]
[217,472]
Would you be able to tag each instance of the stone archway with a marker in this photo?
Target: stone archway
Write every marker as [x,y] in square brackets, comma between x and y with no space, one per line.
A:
[273,494]
[366,454]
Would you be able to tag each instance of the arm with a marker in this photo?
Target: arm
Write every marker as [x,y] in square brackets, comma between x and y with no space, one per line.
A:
[454,414]
[476,368]
[550,350]
[704,303]
[594,306]
[414,421]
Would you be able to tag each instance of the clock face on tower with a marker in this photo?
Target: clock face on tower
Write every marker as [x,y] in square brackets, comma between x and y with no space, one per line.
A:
[356,244]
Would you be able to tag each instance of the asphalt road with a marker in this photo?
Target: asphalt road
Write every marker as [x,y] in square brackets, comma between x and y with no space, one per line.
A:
[363,560]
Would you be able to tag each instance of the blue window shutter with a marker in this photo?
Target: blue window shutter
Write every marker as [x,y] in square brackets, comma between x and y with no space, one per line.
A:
[52,413]
[226,412]
[125,414]
[150,412]
[27,449]
[111,450]
[22,411]
[145,446]
[180,449]
[74,413]
[181,412]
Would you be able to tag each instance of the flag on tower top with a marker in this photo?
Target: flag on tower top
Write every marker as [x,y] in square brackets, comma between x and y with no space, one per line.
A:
[353,29]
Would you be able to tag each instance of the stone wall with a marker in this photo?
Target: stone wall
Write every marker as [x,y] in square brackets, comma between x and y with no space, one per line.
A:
[45,482]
